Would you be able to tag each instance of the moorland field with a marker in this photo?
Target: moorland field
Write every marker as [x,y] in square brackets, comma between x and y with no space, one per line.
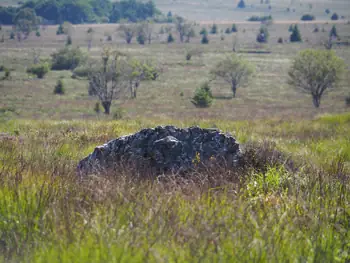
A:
[289,203]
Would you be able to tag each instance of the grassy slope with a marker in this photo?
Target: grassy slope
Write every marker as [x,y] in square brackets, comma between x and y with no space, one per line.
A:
[275,216]
[266,96]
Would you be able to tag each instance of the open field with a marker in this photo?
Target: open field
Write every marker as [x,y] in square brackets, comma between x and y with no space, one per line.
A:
[272,211]
[267,96]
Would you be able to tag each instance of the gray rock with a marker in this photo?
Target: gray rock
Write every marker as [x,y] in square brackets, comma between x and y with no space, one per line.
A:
[163,149]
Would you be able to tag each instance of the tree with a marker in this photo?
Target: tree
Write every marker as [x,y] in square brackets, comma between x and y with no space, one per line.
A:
[109,80]
[335,16]
[137,72]
[333,32]
[263,35]
[295,36]
[234,70]
[214,29]
[127,32]
[315,71]
[203,96]
[146,30]
[184,28]
[170,38]
[205,39]
[25,22]
[241,4]
[234,28]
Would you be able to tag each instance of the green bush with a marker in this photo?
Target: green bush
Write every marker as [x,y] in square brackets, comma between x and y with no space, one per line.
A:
[12,35]
[241,4]
[227,31]
[295,36]
[205,39]
[81,72]
[234,28]
[203,31]
[170,38]
[307,17]
[335,16]
[259,18]
[280,40]
[59,88]
[141,38]
[97,108]
[263,35]
[67,59]
[203,96]
[40,70]
[118,114]
[38,33]
[214,29]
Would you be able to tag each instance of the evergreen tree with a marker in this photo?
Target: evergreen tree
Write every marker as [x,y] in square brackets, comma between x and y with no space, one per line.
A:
[241,4]
[205,39]
[234,28]
[295,36]
[333,32]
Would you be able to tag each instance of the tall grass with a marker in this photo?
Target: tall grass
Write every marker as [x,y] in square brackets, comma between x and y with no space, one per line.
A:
[289,206]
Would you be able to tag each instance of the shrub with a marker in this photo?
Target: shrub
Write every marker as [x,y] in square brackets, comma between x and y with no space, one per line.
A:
[316,29]
[118,114]
[59,88]
[295,36]
[81,71]
[227,31]
[170,38]
[214,29]
[38,33]
[259,18]
[40,70]
[2,68]
[203,96]
[203,31]
[205,39]
[141,38]
[109,38]
[335,16]
[327,11]
[263,35]
[67,59]
[90,30]
[307,17]
[280,40]
[12,35]
[234,28]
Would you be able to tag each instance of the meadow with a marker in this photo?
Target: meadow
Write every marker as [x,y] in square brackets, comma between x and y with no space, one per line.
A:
[289,202]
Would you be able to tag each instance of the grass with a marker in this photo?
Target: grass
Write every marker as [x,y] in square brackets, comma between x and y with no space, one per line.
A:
[264,97]
[272,211]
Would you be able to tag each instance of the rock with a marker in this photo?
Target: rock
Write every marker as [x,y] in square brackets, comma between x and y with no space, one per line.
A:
[163,149]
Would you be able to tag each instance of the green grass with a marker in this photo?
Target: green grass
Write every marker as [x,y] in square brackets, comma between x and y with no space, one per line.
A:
[274,214]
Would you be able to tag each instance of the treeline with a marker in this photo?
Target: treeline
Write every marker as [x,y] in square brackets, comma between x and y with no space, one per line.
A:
[84,11]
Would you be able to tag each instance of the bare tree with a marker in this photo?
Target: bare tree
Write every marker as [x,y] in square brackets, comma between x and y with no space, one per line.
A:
[109,81]
[234,70]
[184,28]
[315,71]
[127,31]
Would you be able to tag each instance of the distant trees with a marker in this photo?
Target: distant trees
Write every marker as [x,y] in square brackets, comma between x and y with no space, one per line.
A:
[241,4]
[127,31]
[307,17]
[315,72]
[184,28]
[234,70]
[335,16]
[81,11]
[295,36]
[25,22]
